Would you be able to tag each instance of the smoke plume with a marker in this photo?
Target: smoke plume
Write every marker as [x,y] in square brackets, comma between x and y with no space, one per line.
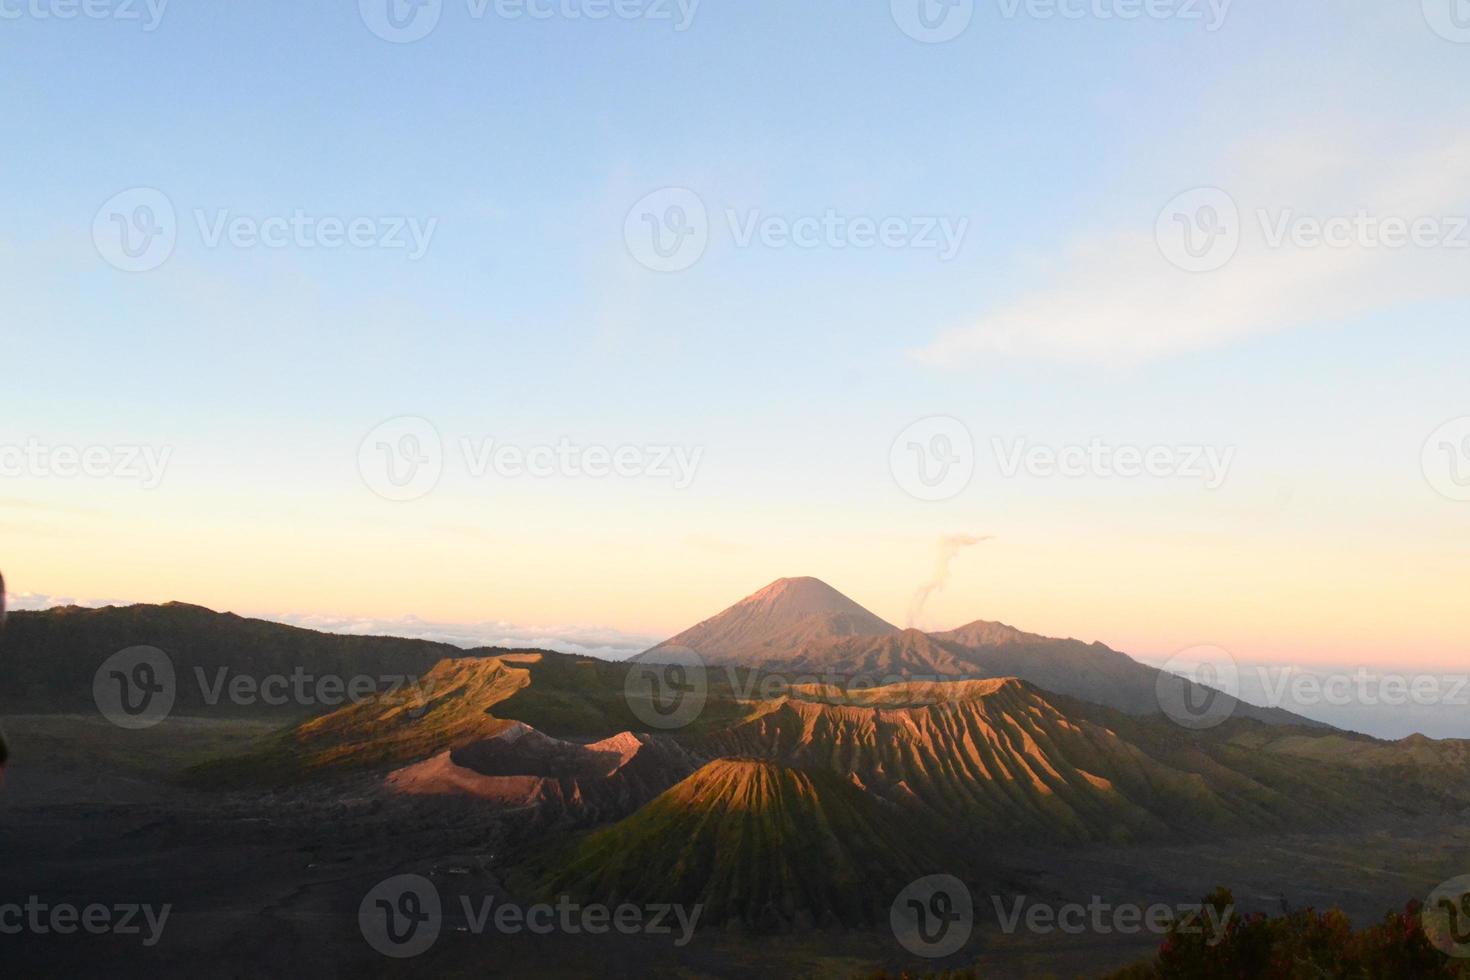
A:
[949,546]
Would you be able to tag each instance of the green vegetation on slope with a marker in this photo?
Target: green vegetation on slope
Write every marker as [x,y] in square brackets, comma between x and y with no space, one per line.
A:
[457,703]
[752,842]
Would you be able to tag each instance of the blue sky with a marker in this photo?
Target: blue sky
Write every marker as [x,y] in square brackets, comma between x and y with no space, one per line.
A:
[1058,141]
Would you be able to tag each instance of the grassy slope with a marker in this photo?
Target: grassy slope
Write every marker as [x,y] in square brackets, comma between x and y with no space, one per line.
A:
[1001,758]
[459,702]
[754,842]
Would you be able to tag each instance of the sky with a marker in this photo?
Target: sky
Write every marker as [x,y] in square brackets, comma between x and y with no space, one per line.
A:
[817,289]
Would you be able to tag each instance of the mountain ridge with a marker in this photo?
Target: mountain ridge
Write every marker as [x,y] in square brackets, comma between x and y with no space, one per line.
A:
[804,626]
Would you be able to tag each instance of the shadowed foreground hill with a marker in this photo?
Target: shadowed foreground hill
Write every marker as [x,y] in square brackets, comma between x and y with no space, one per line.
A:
[754,842]
[51,656]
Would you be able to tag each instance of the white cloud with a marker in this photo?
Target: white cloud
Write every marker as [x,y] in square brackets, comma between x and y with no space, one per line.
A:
[592,640]
[34,601]
[1115,298]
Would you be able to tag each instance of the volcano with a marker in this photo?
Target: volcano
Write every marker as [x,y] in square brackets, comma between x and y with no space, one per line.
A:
[804,627]
[766,626]
[754,842]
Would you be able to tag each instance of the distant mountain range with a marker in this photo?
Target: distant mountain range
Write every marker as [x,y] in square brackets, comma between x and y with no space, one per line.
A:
[807,806]
[794,626]
[803,626]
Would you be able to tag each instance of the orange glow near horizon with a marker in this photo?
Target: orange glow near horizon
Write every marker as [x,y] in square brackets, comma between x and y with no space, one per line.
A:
[1274,594]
